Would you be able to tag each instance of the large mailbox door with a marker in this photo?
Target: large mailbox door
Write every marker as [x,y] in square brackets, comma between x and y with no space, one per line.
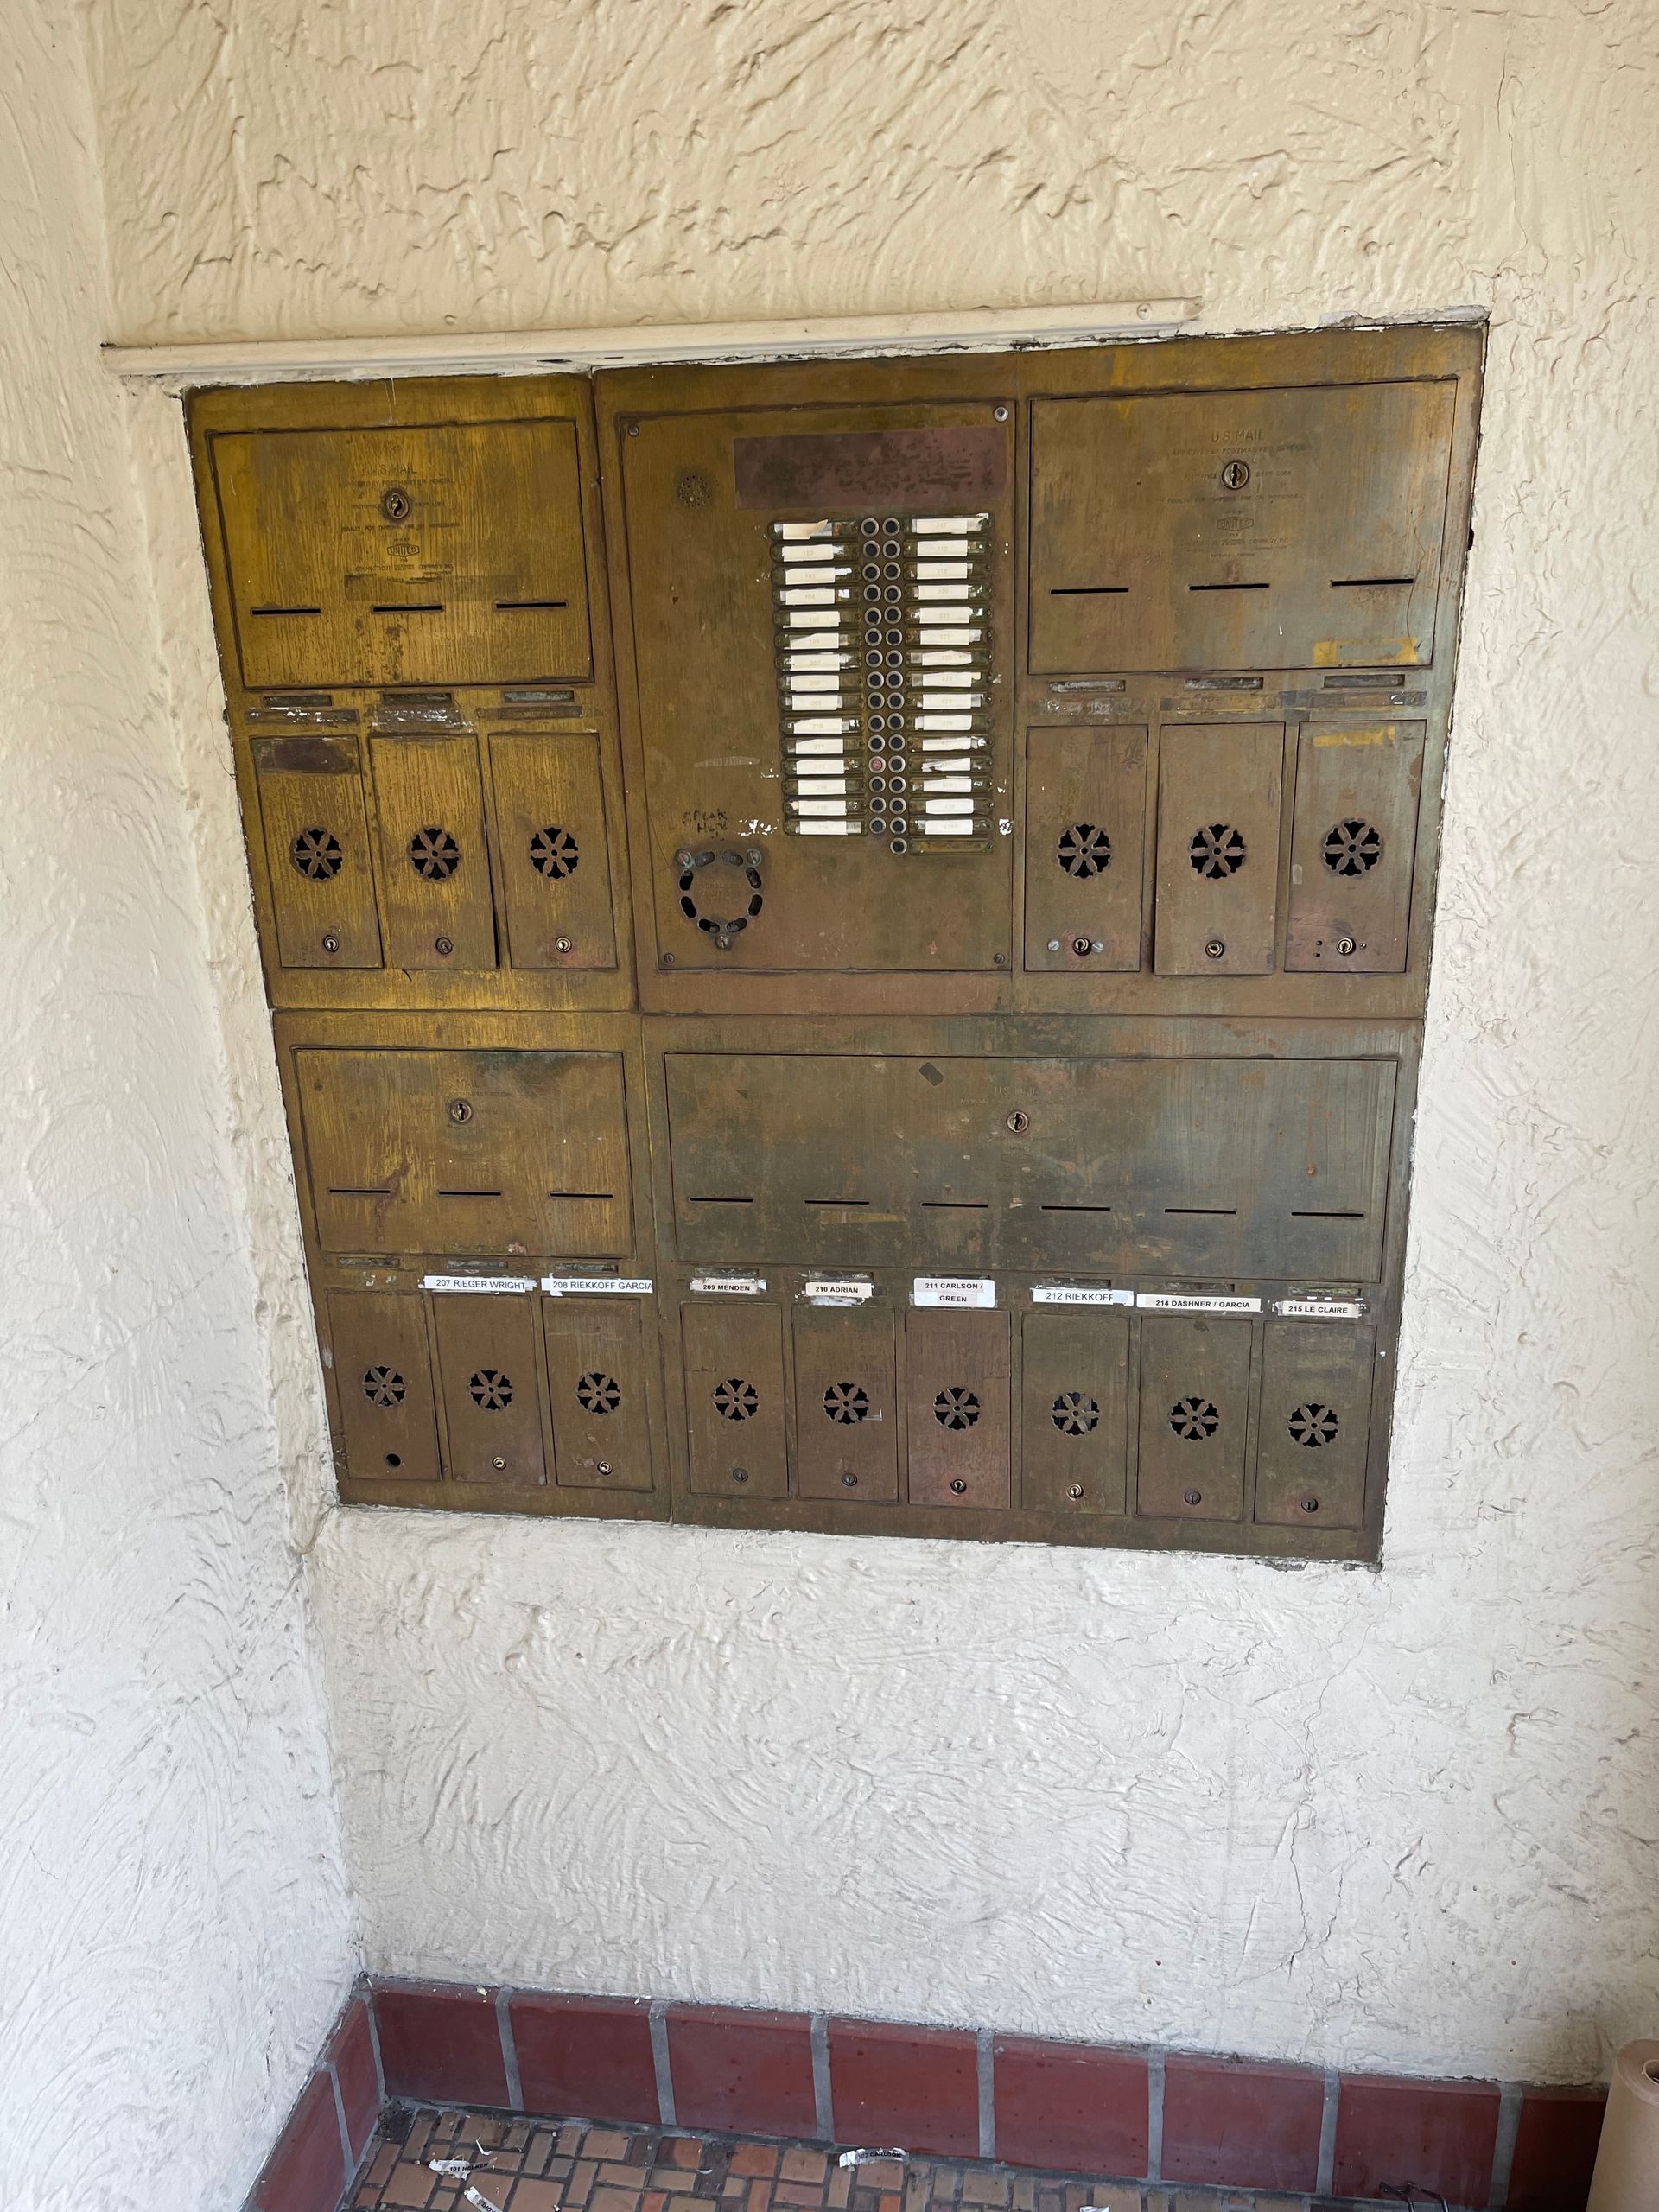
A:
[423,553]
[1220,530]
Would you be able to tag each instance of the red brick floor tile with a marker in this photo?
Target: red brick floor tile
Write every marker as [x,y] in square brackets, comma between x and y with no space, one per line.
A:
[408,2185]
[742,2071]
[754,2158]
[615,2200]
[1242,2126]
[1434,2135]
[914,2087]
[1555,2149]
[306,2173]
[803,2166]
[605,2143]
[1071,2105]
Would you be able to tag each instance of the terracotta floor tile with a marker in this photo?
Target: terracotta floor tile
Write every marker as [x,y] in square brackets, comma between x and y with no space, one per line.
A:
[408,2185]
[981,2188]
[605,2143]
[756,2159]
[535,2196]
[803,2166]
[610,2199]
[840,2191]
[797,2192]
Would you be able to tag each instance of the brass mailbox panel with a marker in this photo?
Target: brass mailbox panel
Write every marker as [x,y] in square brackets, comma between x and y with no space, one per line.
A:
[431,553]
[316,836]
[1075,1399]
[491,1381]
[382,1380]
[1289,528]
[1085,844]
[850,936]
[1195,1398]
[466,1152]
[1352,846]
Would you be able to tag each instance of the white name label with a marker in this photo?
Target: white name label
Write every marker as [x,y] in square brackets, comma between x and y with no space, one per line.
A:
[825,1291]
[1320,1309]
[502,1285]
[730,1286]
[595,1286]
[1079,1294]
[1181,1301]
[952,1290]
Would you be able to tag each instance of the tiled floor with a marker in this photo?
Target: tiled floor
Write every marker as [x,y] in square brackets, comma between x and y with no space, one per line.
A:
[549,2165]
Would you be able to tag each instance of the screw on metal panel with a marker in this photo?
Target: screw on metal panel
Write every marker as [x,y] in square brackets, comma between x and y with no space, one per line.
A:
[634,430]
[998,960]
[443,946]
[461,1110]
[664,960]
[331,943]
[1215,949]
[685,858]
[1000,414]
[740,1474]
[755,856]
[1053,944]
[1193,1496]
[564,944]
[1346,944]
[1019,1121]
[1098,944]
[959,1486]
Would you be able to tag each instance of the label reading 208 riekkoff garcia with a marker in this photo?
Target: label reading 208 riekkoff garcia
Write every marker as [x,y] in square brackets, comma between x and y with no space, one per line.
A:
[595,1286]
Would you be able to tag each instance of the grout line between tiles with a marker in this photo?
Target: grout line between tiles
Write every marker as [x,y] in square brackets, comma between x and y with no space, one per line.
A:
[1509,2126]
[823,2110]
[509,2049]
[986,2058]
[374,2038]
[1156,2116]
[1327,2165]
[658,2017]
[347,2158]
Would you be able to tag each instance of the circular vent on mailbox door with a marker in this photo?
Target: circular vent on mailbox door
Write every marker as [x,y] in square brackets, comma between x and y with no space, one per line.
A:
[434,853]
[316,855]
[383,1386]
[554,853]
[736,1400]
[1193,1419]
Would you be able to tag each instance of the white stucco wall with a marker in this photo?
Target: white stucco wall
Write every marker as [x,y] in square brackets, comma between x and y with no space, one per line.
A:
[175,1927]
[1405,1818]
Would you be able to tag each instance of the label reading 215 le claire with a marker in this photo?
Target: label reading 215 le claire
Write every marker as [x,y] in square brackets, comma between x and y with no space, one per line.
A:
[952,1290]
